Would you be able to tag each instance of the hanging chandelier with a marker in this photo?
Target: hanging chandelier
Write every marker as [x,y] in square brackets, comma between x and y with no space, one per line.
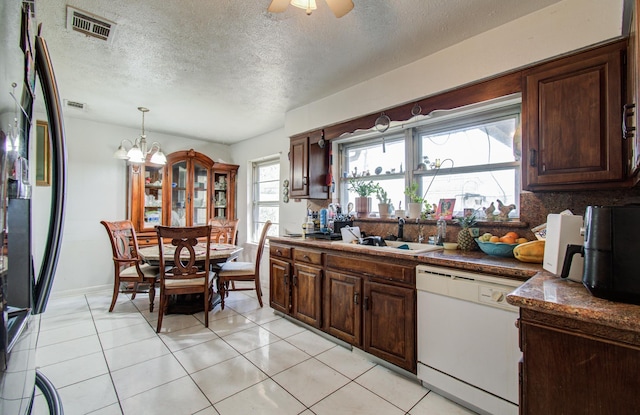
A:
[138,152]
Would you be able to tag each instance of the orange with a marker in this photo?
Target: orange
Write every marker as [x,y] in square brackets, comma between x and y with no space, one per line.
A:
[494,239]
[512,235]
[507,240]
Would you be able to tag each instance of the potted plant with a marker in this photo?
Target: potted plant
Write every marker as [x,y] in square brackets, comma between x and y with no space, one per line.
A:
[364,189]
[415,200]
[384,202]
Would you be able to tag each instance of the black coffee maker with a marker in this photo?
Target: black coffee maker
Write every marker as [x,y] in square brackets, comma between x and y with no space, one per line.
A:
[611,253]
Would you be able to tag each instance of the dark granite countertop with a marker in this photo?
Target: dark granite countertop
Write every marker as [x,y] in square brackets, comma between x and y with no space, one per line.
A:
[547,293]
[475,261]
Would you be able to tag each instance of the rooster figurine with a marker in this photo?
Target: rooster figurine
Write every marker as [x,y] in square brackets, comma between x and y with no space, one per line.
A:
[504,210]
[488,211]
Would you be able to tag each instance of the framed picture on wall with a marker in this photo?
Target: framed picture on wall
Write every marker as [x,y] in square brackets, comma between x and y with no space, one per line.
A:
[445,208]
[43,154]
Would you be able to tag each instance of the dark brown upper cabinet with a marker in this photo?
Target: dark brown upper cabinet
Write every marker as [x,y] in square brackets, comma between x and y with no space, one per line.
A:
[571,122]
[308,158]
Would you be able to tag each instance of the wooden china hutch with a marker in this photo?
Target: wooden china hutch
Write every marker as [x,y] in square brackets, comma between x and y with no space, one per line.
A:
[188,191]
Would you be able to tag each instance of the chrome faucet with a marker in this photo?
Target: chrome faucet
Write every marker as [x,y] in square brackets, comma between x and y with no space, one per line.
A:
[401,229]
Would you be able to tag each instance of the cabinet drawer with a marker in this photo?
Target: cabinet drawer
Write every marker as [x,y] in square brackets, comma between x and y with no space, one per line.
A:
[147,238]
[377,269]
[308,256]
[279,251]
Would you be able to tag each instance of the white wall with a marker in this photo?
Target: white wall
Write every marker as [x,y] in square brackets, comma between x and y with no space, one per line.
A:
[96,190]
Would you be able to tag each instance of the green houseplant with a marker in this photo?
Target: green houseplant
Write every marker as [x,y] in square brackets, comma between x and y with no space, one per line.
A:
[416,201]
[364,189]
[384,202]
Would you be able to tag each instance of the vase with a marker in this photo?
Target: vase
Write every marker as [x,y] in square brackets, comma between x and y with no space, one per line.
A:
[363,206]
[415,209]
[383,210]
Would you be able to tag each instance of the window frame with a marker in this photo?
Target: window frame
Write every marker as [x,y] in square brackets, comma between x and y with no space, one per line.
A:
[439,121]
[257,225]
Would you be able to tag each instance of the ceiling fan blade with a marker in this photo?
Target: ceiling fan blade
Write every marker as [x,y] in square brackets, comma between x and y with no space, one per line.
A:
[278,6]
[340,7]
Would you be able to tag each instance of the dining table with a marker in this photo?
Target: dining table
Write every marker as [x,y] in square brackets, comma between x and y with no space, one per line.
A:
[218,254]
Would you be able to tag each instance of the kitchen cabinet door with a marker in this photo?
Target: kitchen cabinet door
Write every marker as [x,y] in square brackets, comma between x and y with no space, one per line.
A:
[308,167]
[572,113]
[306,293]
[577,371]
[343,306]
[389,323]
[279,285]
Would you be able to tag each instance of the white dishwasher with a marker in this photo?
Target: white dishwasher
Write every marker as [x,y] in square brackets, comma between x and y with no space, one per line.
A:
[467,339]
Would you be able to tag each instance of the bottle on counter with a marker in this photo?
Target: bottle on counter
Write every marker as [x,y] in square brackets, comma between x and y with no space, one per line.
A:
[441,227]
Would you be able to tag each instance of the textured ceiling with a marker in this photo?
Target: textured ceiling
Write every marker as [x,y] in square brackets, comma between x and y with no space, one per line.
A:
[227,70]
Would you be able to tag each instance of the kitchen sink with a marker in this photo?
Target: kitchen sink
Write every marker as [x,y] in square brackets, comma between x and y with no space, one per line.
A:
[410,248]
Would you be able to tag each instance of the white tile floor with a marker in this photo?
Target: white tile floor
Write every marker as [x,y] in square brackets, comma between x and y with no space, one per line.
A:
[249,361]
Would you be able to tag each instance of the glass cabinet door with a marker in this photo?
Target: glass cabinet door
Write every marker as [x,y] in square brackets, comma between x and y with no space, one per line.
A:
[220,195]
[179,193]
[153,176]
[200,191]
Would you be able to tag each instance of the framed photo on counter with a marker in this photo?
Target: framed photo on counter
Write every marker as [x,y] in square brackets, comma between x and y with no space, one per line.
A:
[445,208]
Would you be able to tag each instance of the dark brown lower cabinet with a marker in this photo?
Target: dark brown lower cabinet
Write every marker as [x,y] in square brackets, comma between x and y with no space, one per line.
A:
[366,302]
[307,286]
[279,296]
[573,367]
[389,323]
[342,306]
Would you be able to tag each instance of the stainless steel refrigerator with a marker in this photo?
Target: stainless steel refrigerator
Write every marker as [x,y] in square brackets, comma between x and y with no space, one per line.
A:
[25,286]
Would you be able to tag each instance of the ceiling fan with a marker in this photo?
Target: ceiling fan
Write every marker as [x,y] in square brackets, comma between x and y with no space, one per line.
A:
[338,7]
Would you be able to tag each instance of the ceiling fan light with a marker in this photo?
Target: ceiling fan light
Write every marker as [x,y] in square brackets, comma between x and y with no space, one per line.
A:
[308,5]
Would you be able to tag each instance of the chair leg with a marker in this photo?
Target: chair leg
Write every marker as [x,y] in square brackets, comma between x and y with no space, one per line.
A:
[221,286]
[207,301]
[152,295]
[135,290]
[258,291]
[161,312]
[116,290]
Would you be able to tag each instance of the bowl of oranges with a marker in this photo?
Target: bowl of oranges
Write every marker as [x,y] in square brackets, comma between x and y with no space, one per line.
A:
[501,246]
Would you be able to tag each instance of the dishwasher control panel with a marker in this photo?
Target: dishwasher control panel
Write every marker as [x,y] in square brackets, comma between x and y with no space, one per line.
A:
[485,289]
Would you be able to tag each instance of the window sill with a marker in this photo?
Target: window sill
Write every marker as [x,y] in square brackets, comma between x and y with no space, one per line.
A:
[511,223]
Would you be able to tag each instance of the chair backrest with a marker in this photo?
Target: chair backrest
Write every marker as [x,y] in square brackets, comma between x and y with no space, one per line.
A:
[263,240]
[185,253]
[224,231]
[124,243]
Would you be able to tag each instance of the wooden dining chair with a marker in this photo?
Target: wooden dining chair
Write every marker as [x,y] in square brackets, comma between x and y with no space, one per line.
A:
[179,271]
[127,263]
[243,271]
[224,231]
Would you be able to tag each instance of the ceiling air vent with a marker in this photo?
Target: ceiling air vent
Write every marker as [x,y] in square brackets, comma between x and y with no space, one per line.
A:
[74,104]
[90,24]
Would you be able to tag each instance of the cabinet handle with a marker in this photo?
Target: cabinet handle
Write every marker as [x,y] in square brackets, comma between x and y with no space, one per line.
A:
[306,257]
[533,158]
[295,280]
[627,111]
[304,180]
[285,277]
[279,252]
[355,298]
[366,303]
